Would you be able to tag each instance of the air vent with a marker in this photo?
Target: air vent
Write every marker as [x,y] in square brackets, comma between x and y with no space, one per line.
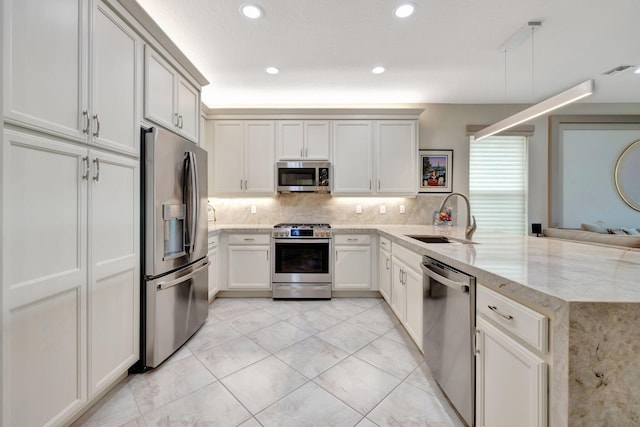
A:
[617,69]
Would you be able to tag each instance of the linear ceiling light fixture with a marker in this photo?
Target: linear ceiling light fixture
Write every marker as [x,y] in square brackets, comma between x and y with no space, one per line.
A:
[573,94]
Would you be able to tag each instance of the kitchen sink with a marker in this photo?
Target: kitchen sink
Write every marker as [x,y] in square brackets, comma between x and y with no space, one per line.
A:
[429,238]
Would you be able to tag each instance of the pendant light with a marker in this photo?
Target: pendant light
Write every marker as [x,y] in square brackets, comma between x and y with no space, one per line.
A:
[570,95]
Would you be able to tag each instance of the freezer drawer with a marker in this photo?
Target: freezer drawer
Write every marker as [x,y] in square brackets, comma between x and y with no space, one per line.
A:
[177,305]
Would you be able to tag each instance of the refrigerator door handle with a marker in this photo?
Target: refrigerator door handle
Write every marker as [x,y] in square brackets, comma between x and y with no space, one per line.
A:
[171,283]
[192,182]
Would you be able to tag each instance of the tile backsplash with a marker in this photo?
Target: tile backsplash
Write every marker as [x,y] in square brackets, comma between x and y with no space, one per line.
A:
[324,208]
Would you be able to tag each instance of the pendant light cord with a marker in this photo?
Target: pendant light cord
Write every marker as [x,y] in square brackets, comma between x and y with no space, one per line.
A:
[505,82]
[532,63]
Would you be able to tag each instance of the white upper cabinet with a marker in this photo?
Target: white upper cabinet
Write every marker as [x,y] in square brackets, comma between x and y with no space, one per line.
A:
[169,99]
[352,157]
[396,157]
[228,157]
[79,80]
[375,157]
[114,84]
[303,139]
[44,64]
[259,161]
[243,158]
[188,110]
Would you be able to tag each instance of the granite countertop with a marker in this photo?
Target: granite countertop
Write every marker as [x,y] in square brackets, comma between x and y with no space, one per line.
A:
[542,270]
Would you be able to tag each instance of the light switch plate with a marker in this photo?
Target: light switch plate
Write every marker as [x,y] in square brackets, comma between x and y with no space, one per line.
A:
[253,209]
[358,209]
[383,209]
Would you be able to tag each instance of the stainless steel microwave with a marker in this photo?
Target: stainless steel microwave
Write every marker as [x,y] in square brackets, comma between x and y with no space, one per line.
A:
[304,176]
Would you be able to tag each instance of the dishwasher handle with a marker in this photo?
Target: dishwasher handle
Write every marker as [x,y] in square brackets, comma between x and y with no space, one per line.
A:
[462,287]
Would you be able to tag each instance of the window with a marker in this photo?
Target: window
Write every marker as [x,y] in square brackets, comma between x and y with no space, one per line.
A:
[498,183]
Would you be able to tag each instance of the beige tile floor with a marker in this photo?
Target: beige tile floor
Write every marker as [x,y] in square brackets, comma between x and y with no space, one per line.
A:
[259,362]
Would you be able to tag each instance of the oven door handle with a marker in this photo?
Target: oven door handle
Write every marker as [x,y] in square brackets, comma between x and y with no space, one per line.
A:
[293,240]
[462,287]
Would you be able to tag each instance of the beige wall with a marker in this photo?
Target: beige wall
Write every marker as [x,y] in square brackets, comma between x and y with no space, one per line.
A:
[442,126]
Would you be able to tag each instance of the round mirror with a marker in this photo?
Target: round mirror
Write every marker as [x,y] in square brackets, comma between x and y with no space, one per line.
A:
[627,175]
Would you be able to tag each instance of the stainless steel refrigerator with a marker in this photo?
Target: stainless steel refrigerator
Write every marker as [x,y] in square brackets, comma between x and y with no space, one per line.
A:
[174,241]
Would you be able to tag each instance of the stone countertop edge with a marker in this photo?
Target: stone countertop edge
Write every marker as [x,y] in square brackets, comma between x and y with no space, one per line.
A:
[547,273]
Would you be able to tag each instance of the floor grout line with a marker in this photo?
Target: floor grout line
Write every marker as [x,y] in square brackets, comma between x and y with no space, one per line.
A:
[342,319]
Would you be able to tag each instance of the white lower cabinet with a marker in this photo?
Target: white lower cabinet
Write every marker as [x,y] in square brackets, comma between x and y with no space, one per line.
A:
[511,378]
[384,269]
[214,281]
[71,275]
[249,262]
[352,266]
[407,291]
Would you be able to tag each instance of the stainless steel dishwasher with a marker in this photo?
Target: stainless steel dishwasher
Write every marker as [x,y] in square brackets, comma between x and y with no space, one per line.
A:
[448,323]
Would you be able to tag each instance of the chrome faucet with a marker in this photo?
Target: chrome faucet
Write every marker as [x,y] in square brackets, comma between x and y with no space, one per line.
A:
[470,227]
[210,208]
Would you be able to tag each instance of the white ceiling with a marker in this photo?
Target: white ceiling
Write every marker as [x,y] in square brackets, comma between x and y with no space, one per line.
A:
[448,51]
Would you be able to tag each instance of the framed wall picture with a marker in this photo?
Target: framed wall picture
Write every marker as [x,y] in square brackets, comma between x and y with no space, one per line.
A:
[436,171]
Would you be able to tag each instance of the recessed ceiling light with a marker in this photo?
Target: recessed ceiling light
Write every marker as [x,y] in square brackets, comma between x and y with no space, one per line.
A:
[378,69]
[405,9]
[272,70]
[251,11]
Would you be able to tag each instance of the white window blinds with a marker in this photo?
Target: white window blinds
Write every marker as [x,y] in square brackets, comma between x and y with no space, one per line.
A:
[498,183]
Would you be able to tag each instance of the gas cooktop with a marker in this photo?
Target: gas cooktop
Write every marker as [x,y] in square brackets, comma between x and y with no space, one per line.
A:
[296,231]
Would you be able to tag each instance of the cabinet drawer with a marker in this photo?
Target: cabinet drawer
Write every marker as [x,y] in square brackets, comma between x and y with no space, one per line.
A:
[352,239]
[249,239]
[212,241]
[410,258]
[385,244]
[523,322]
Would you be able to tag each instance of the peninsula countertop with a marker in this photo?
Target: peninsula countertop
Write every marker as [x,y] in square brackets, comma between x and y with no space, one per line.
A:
[568,271]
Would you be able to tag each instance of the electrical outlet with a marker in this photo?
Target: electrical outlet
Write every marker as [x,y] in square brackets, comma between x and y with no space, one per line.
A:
[402,209]
[358,209]
[383,209]
[253,209]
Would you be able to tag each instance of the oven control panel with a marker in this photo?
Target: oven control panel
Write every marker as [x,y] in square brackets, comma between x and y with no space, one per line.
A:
[308,231]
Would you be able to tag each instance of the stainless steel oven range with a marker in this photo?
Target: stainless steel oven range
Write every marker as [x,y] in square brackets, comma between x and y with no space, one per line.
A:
[302,261]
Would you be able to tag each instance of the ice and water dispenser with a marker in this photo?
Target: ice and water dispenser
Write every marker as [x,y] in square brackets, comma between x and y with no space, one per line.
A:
[174,230]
